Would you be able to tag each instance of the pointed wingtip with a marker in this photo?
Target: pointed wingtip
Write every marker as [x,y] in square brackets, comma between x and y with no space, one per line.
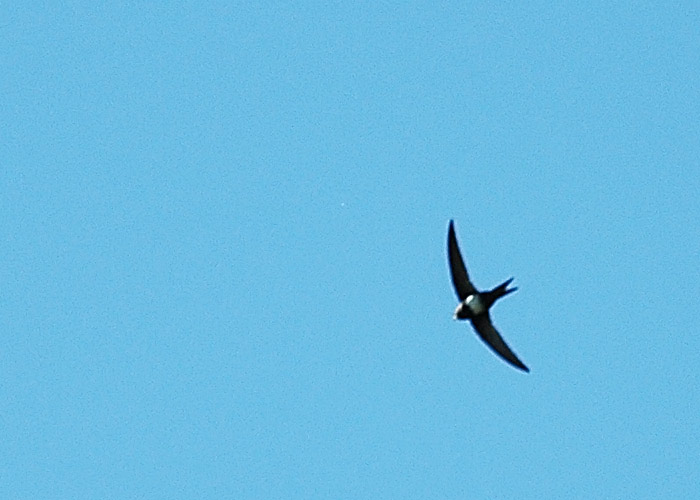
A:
[516,363]
[520,365]
[488,333]
[451,233]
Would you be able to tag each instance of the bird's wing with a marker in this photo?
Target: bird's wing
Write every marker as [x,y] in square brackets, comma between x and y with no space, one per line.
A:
[488,333]
[460,278]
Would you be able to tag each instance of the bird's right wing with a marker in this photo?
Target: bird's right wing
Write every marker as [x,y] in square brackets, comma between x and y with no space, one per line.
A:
[488,333]
[460,278]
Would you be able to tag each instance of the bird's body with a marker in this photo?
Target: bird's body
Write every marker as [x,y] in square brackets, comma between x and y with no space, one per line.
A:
[474,305]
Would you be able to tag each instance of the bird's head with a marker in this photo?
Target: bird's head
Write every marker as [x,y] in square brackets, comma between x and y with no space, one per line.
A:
[461,312]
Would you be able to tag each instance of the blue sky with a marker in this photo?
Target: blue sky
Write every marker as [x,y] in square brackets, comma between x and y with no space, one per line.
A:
[223,239]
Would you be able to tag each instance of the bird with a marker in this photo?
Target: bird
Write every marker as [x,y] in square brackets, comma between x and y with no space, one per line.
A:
[474,305]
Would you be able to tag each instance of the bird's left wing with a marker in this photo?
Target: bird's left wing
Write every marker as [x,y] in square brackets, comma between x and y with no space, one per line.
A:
[460,278]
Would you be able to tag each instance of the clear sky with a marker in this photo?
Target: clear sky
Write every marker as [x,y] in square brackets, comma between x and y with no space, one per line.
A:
[223,249]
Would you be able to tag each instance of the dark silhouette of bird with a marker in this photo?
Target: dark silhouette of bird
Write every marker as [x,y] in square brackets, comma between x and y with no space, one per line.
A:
[474,305]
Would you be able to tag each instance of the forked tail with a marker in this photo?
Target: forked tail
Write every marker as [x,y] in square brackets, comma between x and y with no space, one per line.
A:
[503,289]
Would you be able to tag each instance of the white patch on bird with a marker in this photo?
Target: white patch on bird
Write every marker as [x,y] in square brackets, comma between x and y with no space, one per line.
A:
[474,304]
